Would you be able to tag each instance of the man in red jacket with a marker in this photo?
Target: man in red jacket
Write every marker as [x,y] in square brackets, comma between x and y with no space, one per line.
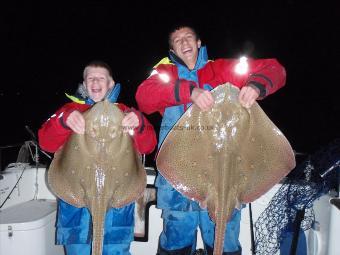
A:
[173,85]
[74,224]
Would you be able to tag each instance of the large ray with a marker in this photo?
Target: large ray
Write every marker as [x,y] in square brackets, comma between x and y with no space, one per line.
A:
[99,169]
[224,157]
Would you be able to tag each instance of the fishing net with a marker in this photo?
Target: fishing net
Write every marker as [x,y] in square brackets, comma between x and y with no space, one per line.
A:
[315,176]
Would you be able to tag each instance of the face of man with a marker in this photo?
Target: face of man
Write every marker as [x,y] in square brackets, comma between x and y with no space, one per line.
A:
[185,45]
[97,82]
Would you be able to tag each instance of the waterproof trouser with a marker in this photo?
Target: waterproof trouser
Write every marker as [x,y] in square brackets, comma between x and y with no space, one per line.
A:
[74,229]
[180,231]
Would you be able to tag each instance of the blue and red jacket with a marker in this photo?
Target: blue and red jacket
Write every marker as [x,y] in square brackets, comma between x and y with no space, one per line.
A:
[168,91]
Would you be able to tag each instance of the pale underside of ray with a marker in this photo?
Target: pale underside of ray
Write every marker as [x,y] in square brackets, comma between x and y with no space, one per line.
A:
[99,169]
[225,156]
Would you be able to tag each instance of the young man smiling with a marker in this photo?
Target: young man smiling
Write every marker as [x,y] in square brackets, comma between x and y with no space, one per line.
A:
[175,83]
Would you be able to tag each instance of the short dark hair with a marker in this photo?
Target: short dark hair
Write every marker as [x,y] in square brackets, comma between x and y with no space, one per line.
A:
[178,27]
[98,63]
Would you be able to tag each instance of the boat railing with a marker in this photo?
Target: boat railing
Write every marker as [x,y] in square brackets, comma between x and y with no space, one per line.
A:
[26,152]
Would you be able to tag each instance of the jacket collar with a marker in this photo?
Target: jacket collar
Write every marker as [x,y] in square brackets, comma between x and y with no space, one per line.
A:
[202,59]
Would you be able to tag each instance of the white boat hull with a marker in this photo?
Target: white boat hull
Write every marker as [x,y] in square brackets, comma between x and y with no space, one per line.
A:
[32,232]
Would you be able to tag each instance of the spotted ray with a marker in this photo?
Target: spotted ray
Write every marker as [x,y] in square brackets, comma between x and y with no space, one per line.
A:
[99,169]
[224,157]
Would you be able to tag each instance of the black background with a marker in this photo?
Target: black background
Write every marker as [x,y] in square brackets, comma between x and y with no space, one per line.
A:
[46,46]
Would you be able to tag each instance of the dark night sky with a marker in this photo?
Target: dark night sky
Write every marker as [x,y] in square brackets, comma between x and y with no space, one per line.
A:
[47,45]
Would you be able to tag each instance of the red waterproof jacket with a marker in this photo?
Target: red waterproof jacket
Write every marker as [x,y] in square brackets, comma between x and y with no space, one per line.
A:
[156,93]
[54,132]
